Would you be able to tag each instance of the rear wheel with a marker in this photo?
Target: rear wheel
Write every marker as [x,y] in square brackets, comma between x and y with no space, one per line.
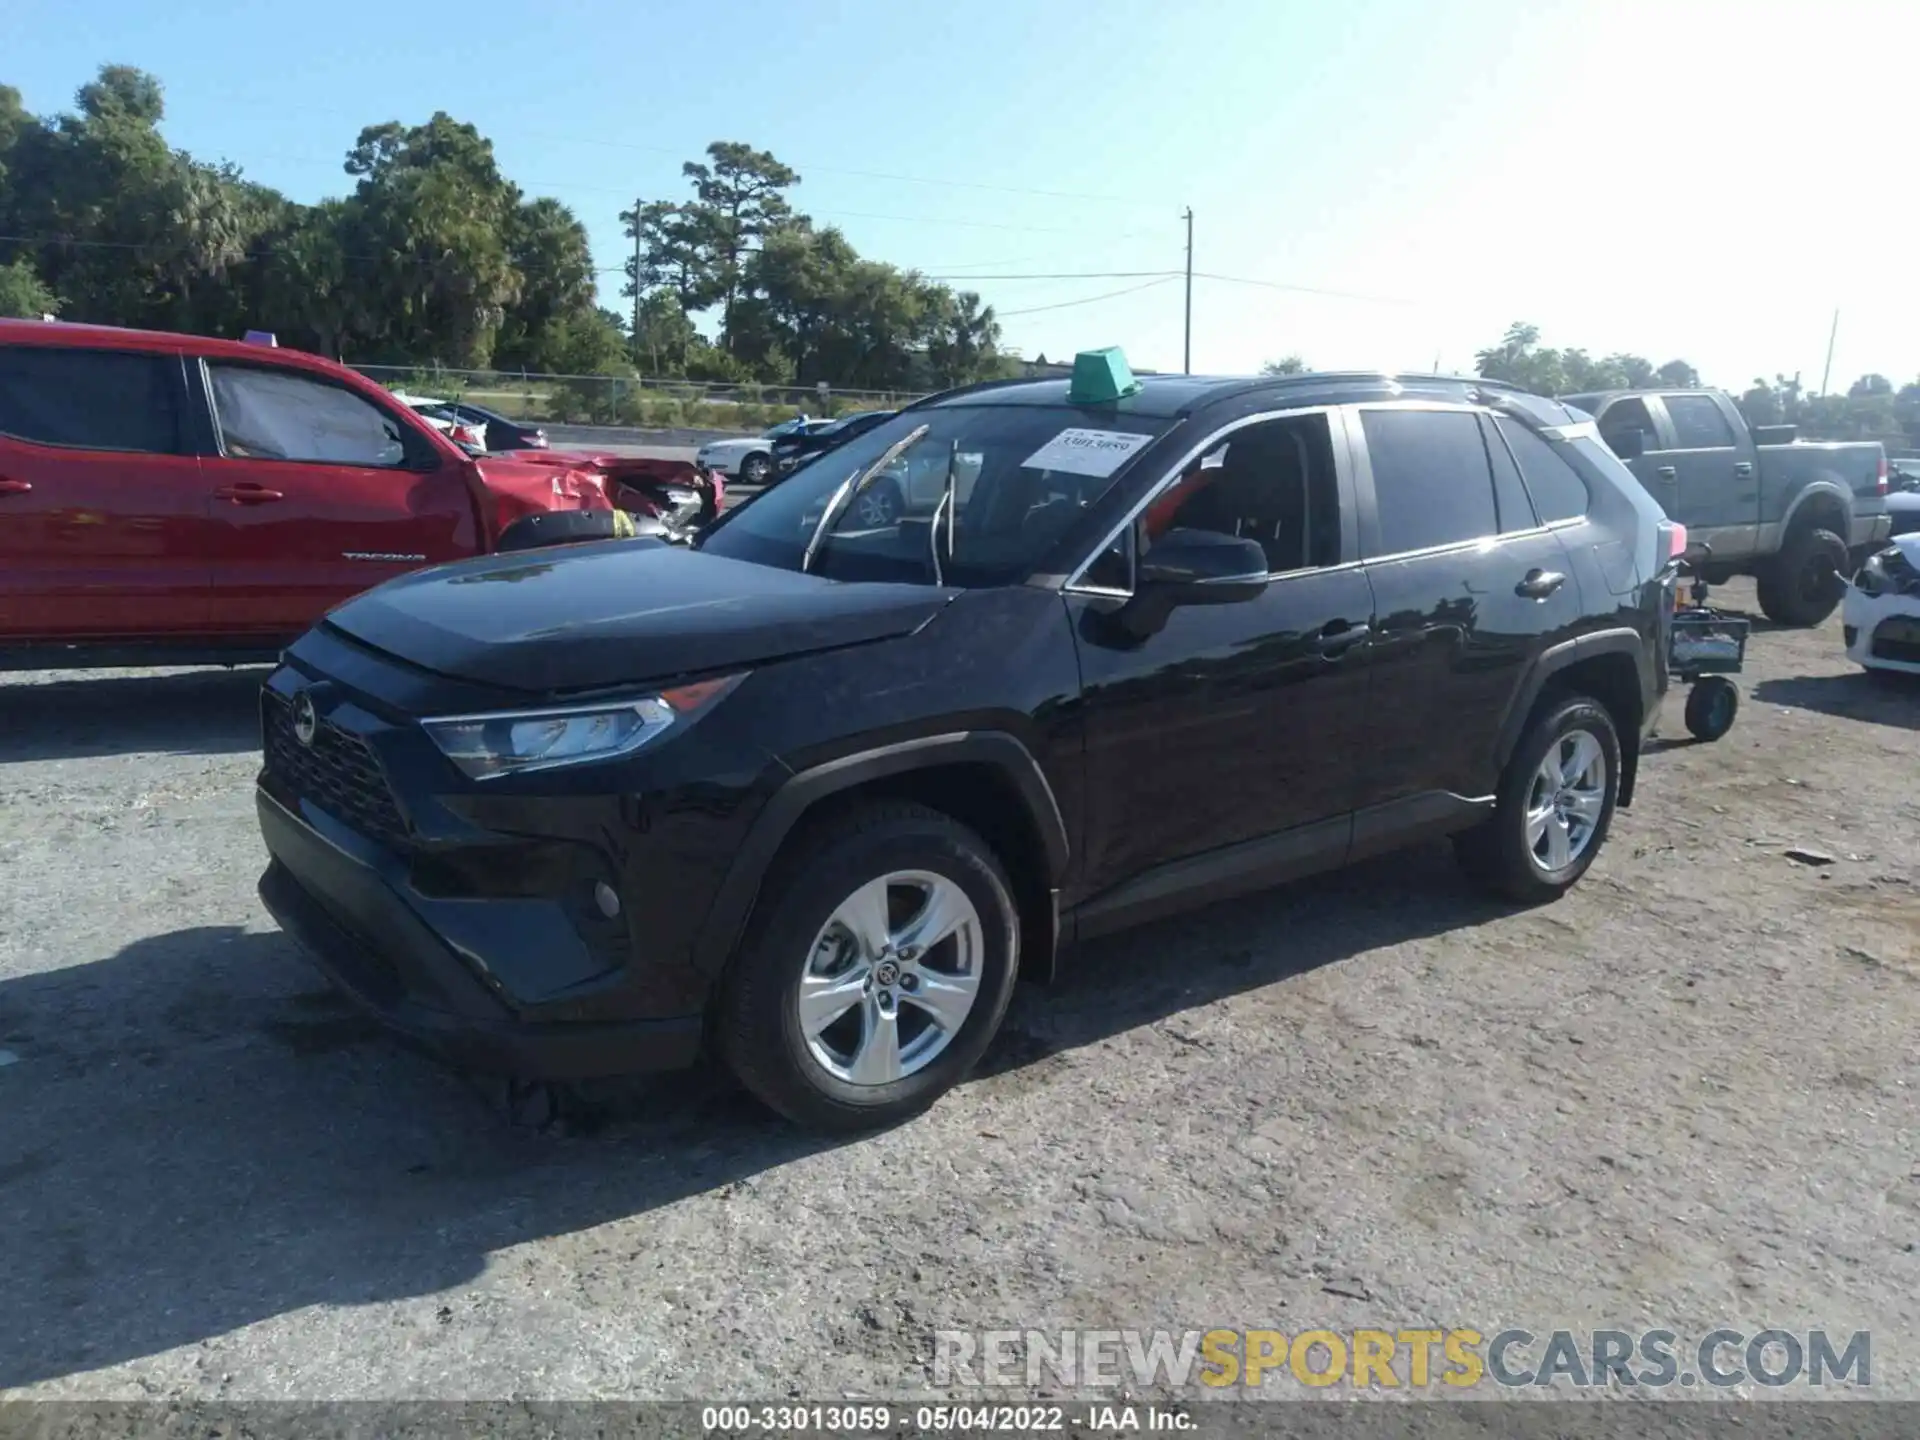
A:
[1553,807]
[876,971]
[1804,583]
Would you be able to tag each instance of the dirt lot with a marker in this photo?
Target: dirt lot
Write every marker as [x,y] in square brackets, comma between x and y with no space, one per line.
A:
[1682,1097]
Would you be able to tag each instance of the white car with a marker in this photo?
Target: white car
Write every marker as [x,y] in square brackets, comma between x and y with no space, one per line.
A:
[749,459]
[439,414]
[1881,613]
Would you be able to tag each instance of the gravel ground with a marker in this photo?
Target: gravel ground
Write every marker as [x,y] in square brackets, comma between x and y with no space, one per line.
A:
[1682,1097]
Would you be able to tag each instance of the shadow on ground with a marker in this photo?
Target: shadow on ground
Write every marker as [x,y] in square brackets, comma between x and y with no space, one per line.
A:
[198,1136]
[1879,698]
[195,712]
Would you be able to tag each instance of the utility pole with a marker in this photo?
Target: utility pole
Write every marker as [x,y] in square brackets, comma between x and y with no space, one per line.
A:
[1187,361]
[636,278]
[1827,374]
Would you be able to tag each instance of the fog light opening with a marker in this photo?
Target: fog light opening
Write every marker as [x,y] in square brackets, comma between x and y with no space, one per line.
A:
[606,899]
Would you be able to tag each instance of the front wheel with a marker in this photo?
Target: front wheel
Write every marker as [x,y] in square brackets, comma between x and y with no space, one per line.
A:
[877,969]
[1804,583]
[755,469]
[1711,706]
[1553,807]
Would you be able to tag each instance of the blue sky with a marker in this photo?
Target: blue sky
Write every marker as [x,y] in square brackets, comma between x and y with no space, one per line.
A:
[1694,178]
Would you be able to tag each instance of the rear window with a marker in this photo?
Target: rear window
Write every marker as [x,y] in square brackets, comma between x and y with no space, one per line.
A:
[1558,492]
[91,399]
[1432,483]
[1698,423]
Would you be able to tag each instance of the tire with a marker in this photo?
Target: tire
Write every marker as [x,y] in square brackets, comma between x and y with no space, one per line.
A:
[1711,706]
[755,469]
[1499,853]
[878,506]
[1804,583]
[810,1069]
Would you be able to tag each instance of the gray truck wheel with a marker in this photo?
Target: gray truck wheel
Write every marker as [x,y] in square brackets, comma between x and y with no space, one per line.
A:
[1802,585]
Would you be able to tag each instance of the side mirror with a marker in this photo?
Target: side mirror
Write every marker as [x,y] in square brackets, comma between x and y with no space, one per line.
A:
[1188,567]
[1203,567]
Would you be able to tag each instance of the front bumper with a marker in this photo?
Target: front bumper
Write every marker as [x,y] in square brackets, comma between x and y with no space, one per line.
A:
[1882,632]
[369,937]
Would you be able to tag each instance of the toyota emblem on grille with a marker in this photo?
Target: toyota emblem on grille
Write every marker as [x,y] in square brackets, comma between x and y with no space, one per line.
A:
[305,722]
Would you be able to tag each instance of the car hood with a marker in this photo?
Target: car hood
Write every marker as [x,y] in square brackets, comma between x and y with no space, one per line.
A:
[749,442]
[591,616]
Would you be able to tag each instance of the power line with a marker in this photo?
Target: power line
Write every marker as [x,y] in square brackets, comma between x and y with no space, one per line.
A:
[1062,275]
[1085,300]
[1300,289]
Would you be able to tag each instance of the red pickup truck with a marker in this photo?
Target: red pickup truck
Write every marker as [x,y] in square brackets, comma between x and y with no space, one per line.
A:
[172,499]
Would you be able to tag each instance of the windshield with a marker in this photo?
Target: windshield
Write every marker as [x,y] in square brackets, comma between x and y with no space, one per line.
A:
[1021,475]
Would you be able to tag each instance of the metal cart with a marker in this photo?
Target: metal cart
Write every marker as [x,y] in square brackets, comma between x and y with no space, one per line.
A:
[1704,647]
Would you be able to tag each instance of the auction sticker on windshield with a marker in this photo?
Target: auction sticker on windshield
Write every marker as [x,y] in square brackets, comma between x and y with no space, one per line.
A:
[1086,452]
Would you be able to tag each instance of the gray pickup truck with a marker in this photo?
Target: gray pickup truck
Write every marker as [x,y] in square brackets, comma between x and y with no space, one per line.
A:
[1794,514]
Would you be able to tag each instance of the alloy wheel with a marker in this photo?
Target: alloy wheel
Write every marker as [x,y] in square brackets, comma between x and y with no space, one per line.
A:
[891,978]
[1566,800]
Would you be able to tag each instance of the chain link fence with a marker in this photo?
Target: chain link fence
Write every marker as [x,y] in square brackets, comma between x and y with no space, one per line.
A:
[643,402]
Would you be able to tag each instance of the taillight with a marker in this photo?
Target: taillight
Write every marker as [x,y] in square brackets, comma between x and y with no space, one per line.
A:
[1880,485]
[1676,539]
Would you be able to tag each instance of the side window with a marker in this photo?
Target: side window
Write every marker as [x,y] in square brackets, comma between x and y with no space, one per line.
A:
[1273,482]
[1625,415]
[1431,481]
[278,415]
[91,399]
[1509,492]
[1698,423]
[1558,491]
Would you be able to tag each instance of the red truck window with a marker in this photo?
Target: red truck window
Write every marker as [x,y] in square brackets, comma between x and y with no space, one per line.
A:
[91,399]
[277,415]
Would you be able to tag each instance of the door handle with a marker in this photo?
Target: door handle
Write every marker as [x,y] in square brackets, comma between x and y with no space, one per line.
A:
[1743,467]
[1337,637]
[1667,472]
[1539,584]
[14,487]
[247,494]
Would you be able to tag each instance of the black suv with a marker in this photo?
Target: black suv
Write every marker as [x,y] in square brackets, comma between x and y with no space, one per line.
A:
[812,792]
[802,447]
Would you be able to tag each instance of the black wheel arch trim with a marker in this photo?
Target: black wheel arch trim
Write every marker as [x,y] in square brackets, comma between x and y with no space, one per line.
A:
[1619,640]
[801,791]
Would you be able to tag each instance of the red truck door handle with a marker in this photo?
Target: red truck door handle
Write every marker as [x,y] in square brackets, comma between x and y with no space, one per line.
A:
[14,487]
[247,494]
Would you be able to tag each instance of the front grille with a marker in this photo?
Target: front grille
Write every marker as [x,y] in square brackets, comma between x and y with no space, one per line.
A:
[337,772]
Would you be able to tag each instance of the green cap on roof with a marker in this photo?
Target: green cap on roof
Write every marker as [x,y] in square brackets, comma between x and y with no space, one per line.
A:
[1101,377]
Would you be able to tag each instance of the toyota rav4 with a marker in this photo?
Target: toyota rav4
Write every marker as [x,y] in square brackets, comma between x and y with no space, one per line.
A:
[813,792]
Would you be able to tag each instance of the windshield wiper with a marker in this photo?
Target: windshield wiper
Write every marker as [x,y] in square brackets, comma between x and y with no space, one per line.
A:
[946,504]
[849,489]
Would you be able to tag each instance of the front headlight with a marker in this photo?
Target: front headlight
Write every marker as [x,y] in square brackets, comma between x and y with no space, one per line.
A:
[1871,577]
[515,742]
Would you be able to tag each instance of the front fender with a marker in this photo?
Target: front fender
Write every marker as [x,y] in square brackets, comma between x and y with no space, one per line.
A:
[800,792]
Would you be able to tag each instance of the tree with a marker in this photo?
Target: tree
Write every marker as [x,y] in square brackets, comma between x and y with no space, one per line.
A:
[22,296]
[741,197]
[1678,375]
[1292,364]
